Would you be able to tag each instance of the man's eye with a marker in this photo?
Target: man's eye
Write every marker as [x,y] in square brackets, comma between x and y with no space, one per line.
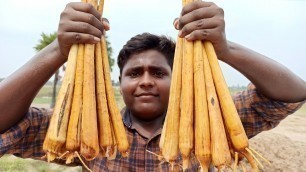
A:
[134,74]
[159,74]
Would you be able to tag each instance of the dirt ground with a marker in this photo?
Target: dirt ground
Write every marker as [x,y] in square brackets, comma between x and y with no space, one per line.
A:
[285,145]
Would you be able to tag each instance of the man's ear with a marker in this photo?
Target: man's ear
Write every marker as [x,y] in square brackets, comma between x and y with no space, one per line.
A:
[120,84]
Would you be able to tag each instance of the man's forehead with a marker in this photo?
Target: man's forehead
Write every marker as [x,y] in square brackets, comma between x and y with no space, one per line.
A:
[150,58]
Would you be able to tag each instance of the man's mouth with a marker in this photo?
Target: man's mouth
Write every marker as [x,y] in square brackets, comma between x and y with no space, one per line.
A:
[146,94]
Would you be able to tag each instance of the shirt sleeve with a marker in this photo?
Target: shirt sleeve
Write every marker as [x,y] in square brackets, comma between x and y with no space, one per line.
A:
[259,113]
[26,138]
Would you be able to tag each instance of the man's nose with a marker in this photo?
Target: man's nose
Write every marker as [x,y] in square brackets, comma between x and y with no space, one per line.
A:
[146,80]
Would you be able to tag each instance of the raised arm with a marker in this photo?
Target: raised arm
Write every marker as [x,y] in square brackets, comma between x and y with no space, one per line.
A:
[205,21]
[79,23]
[270,77]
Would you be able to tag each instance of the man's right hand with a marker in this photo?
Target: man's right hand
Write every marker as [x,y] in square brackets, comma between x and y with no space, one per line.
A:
[79,23]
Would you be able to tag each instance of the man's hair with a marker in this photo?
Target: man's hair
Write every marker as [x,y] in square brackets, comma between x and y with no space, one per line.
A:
[143,42]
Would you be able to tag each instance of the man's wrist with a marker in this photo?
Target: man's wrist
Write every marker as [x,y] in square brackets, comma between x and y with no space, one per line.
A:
[226,55]
[58,53]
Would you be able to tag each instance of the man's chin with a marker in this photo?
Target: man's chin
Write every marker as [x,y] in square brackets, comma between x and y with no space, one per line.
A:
[148,113]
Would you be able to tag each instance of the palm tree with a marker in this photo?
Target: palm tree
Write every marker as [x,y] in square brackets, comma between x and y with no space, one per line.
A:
[46,39]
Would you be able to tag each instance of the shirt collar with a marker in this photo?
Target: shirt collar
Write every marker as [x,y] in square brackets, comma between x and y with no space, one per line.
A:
[126,116]
[127,121]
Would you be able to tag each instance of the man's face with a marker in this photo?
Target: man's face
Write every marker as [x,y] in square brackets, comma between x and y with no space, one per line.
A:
[145,84]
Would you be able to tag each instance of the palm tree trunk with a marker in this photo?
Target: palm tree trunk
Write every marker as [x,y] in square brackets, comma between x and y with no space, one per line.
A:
[56,76]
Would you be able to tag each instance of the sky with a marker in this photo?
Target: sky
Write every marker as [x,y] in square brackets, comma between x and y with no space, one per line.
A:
[275,28]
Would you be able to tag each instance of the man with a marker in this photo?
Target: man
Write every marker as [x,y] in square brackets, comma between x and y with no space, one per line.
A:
[145,64]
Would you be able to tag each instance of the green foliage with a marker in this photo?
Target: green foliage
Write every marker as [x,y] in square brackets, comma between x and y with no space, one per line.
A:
[235,89]
[5,164]
[42,100]
[118,97]
[45,40]
[45,94]
[11,163]
[45,91]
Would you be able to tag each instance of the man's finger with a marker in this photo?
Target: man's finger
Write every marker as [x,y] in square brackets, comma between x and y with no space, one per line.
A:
[85,7]
[105,23]
[195,5]
[82,27]
[75,37]
[207,23]
[176,23]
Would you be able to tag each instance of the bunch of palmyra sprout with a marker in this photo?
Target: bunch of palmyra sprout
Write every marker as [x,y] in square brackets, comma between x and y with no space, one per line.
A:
[201,117]
[86,119]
